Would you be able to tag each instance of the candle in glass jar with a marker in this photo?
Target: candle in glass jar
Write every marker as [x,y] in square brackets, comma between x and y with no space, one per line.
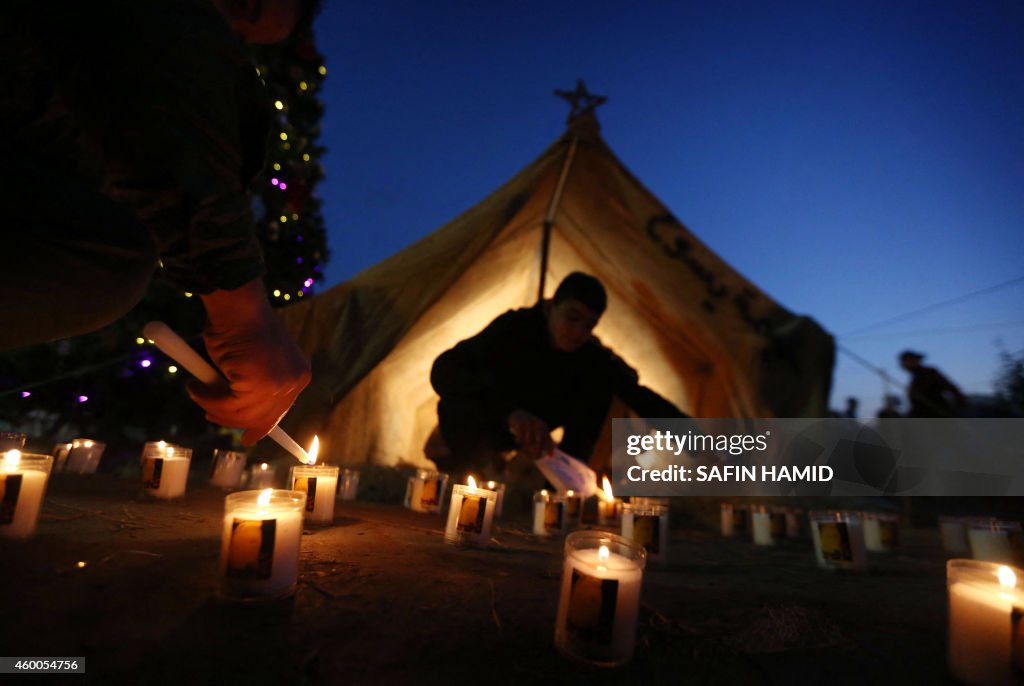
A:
[83,456]
[995,540]
[600,598]
[985,634]
[260,543]
[646,524]
[320,484]
[549,514]
[953,531]
[23,478]
[881,531]
[609,508]
[838,540]
[348,484]
[470,515]
[261,476]
[573,508]
[734,519]
[761,525]
[425,491]
[165,471]
[227,468]
[498,488]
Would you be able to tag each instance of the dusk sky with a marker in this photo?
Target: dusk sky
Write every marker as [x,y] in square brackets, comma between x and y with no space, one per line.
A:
[858,161]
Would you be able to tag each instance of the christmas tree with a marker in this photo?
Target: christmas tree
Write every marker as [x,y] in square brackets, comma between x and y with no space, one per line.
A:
[115,386]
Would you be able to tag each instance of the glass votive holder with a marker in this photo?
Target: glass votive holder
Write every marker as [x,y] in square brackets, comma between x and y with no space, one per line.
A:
[23,478]
[609,512]
[470,515]
[261,476]
[320,484]
[498,488]
[165,471]
[761,528]
[573,509]
[838,540]
[646,524]
[425,491]
[260,543]
[953,532]
[734,519]
[549,513]
[881,531]
[83,456]
[995,540]
[12,440]
[599,600]
[348,484]
[227,469]
[984,630]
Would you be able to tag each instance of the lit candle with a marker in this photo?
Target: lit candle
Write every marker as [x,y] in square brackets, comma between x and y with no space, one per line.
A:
[734,519]
[260,543]
[470,514]
[498,488]
[646,524]
[838,540]
[573,508]
[12,440]
[425,491]
[995,540]
[165,470]
[320,484]
[953,531]
[985,608]
[881,531]
[261,476]
[22,485]
[83,456]
[549,514]
[600,598]
[348,485]
[227,469]
[609,508]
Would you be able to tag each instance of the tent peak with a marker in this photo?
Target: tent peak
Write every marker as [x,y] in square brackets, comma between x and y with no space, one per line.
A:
[583,104]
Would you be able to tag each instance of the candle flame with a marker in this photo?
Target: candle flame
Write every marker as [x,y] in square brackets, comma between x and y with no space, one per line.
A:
[570,493]
[544,492]
[607,495]
[263,466]
[491,484]
[472,483]
[1007,579]
[87,444]
[603,553]
[11,459]
[314,449]
[160,444]
[264,497]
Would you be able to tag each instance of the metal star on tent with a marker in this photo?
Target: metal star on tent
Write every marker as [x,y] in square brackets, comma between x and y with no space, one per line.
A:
[581,100]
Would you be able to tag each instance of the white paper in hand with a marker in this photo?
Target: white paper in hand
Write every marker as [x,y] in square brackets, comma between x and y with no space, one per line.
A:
[566,473]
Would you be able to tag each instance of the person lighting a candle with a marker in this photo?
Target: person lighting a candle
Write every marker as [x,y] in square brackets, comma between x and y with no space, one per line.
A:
[116,180]
[529,371]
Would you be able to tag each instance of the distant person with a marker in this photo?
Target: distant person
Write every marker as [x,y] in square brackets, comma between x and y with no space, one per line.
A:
[890,408]
[930,393]
[132,132]
[531,370]
[851,407]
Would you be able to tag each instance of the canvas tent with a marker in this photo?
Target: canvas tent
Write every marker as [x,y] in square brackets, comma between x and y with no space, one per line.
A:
[698,332]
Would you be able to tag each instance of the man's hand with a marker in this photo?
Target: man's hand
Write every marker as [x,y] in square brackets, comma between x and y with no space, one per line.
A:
[531,433]
[265,369]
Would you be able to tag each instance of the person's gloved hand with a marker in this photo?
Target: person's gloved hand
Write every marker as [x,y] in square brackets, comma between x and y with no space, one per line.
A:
[264,368]
[531,433]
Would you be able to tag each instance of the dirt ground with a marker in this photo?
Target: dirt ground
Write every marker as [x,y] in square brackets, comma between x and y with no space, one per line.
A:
[383,600]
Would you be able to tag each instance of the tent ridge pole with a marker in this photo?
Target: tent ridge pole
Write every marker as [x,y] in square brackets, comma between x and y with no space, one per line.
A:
[549,217]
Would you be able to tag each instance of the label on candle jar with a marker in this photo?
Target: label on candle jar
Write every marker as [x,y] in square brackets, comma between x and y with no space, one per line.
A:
[251,550]
[306,484]
[645,532]
[591,614]
[152,469]
[471,516]
[553,512]
[10,487]
[835,541]
[429,494]
[888,534]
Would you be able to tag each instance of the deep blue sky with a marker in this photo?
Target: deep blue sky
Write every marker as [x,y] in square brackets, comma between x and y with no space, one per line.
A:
[857,160]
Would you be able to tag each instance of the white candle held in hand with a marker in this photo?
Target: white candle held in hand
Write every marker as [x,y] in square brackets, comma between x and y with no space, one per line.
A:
[260,543]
